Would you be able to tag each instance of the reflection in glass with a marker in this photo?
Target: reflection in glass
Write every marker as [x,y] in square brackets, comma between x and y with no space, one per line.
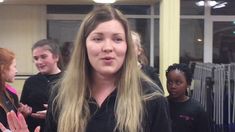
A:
[157,8]
[156,44]
[62,31]
[189,7]
[191,40]
[224,7]
[69,9]
[223,42]
[142,26]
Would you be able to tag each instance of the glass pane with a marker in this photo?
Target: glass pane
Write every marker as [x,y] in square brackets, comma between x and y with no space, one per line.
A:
[191,40]
[62,31]
[69,9]
[223,42]
[134,9]
[189,7]
[157,8]
[224,7]
[156,44]
[142,26]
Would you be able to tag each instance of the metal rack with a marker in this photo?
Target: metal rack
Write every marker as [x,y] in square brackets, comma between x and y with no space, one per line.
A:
[214,87]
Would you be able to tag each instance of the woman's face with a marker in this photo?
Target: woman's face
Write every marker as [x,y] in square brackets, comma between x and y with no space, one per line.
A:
[176,85]
[9,74]
[106,47]
[44,60]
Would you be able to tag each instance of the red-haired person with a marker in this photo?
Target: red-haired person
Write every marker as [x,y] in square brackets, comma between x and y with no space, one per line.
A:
[8,98]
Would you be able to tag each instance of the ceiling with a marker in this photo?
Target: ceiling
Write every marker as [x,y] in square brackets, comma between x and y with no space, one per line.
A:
[47,2]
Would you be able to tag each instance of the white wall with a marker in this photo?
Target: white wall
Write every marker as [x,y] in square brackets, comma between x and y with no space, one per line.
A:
[20,27]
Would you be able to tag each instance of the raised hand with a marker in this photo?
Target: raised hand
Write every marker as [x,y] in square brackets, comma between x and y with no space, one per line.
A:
[16,123]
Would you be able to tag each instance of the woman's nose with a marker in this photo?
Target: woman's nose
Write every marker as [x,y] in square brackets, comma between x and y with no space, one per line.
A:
[107,46]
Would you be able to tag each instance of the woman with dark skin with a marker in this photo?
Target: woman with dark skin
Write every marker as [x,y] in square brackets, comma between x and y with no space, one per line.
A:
[187,114]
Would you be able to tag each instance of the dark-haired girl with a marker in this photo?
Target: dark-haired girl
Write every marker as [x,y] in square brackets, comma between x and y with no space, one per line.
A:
[187,114]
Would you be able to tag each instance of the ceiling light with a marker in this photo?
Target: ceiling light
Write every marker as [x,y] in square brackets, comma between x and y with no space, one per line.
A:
[221,5]
[212,3]
[1,1]
[200,3]
[199,40]
[104,1]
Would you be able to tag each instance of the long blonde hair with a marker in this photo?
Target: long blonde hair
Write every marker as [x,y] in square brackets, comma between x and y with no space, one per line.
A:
[74,90]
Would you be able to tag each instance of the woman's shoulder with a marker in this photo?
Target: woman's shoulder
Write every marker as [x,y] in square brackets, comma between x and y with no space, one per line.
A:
[11,89]
[196,105]
[149,88]
[34,77]
[14,96]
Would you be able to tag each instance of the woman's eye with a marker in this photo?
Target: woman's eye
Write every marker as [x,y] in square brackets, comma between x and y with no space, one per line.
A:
[97,39]
[178,82]
[44,56]
[169,82]
[118,40]
[35,58]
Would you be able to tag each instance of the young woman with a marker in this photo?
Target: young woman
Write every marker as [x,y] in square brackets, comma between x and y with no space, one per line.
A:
[8,98]
[36,90]
[143,60]
[103,90]
[187,114]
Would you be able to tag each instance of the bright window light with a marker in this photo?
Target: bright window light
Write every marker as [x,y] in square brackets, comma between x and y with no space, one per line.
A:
[200,3]
[220,5]
[212,3]
[1,1]
[104,1]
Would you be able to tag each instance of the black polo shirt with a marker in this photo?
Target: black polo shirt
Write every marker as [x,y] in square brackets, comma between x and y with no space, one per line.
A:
[156,115]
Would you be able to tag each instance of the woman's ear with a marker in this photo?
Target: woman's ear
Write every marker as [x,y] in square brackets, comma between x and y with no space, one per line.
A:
[56,57]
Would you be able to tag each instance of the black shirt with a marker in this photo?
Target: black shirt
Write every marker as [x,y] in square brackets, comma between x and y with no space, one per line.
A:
[156,117]
[35,93]
[188,116]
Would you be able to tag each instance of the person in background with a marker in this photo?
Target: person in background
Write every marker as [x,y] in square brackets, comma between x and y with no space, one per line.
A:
[103,90]
[8,97]
[66,51]
[143,60]
[187,114]
[36,89]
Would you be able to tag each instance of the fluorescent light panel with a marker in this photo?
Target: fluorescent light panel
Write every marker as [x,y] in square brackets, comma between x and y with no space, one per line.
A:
[104,1]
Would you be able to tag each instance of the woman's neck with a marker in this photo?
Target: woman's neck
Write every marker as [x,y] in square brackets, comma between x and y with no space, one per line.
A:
[55,71]
[182,99]
[102,87]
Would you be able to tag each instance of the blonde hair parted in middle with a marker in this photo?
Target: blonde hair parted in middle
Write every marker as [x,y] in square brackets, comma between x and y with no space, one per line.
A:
[74,88]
